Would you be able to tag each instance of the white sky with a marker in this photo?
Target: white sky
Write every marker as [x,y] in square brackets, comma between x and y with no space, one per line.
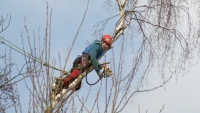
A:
[180,96]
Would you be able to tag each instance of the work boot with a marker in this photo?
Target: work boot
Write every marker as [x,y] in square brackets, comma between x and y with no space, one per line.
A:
[57,85]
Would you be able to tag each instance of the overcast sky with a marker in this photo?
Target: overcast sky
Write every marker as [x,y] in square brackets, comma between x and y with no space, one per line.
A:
[180,95]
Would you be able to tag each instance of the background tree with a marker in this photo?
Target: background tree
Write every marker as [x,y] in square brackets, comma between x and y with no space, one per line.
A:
[8,90]
[154,32]
[160,41]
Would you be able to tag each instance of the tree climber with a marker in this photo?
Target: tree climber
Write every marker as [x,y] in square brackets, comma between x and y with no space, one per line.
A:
[89,57]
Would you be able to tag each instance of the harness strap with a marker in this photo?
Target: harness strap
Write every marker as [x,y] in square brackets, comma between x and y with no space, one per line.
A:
[81,62]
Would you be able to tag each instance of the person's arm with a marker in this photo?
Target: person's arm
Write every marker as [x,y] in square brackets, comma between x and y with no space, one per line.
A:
[93,54]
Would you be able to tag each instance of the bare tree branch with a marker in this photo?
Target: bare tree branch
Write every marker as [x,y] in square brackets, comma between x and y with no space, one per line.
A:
[2,22]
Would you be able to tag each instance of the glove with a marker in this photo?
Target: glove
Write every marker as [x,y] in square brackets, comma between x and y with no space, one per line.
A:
[100,74]
[108,72]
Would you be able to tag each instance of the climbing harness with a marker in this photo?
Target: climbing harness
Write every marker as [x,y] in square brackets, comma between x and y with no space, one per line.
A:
[83,62]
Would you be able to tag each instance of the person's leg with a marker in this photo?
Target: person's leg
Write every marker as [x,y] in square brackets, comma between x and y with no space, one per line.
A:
[71,77]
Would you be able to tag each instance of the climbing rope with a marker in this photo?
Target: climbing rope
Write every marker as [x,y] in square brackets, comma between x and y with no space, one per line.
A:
[21,51]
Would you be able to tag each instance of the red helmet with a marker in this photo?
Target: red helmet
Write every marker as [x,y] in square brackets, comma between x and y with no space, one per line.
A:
[107,39]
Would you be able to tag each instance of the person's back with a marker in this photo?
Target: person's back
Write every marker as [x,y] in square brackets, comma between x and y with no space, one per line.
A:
[95,46]
[94,50]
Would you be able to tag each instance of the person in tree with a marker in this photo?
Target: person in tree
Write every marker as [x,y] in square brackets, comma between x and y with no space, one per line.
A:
[90,54]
